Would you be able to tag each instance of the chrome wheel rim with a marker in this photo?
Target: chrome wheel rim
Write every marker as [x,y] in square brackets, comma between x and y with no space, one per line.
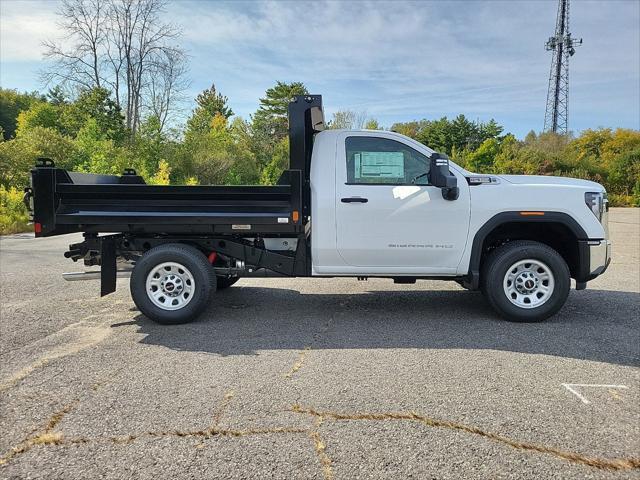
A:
[170,286]
[528,283]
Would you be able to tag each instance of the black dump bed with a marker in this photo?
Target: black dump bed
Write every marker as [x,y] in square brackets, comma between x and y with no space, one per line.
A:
[65,202]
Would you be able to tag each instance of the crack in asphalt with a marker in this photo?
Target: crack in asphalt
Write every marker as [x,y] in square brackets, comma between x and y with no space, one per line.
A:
[600,463]
[298,365]
[222,407]
[46,436]
[82,335]
[321,449]
[302,355]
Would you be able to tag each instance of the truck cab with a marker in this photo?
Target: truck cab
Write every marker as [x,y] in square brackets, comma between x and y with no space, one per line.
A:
[356,203]
[376,211]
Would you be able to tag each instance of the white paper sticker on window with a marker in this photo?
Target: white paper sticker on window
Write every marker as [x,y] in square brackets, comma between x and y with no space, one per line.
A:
[379,165]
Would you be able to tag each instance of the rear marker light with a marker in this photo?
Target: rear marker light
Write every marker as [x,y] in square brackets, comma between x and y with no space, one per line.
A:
[37,227]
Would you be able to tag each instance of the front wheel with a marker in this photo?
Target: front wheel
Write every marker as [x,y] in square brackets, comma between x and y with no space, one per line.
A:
[171,283]
[525,281]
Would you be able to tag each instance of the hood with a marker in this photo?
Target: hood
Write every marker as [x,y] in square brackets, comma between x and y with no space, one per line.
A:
[548,180]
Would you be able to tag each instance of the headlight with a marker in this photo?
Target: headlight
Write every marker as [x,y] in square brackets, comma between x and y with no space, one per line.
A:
[596,201]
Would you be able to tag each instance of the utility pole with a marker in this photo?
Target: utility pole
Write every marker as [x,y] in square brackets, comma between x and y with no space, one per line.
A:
[563,47]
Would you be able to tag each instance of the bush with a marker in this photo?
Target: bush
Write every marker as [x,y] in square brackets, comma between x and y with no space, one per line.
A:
[13,213]
[616,200]
[163,175]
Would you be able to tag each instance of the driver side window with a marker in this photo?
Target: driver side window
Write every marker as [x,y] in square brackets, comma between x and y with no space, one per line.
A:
[381,161]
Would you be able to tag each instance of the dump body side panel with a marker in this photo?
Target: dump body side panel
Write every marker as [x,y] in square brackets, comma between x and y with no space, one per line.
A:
[65,203]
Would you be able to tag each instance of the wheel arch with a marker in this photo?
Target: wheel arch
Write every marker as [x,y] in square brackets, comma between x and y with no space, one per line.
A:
[558,230]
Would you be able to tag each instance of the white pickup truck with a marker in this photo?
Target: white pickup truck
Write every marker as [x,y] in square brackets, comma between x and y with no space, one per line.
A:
[353,204]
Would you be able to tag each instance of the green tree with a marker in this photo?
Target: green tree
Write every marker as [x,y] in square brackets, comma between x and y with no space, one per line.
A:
[438,135]
[210,103]
[482,160]
[40,114]
[450,136]
[372,124]
[410,129]
[163,175]
[97,104]
[13,213]
[269,125]
[623,140]
[95,152]
[487,130]
[11,104]
[271,116]
[279,162]
[150,146]
[590,142]
[57,96]
[18,155]
[531,137]
[275,103]
[218,157]
[549,142]
[463,133]
[624,172]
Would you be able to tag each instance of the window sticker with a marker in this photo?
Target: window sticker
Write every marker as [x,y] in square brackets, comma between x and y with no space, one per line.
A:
[379,165]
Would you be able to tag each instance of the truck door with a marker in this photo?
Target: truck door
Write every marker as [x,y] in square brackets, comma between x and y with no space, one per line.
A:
[388,218]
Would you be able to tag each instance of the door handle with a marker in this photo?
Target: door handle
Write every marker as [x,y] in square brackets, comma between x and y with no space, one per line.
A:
[354,200]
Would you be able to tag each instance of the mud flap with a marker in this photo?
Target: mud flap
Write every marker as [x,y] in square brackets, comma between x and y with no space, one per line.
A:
[107,265]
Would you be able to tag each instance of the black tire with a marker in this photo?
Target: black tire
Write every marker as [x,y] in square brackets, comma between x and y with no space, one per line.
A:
[225,282]
[196,264]
[496,267]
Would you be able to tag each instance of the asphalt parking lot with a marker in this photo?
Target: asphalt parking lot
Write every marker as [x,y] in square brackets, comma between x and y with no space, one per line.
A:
[301,378]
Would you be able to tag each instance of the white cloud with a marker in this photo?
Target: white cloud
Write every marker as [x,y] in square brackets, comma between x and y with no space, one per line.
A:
[398,60]
[24,25]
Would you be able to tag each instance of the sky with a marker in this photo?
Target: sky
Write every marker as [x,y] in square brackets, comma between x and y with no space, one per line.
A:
[398,61]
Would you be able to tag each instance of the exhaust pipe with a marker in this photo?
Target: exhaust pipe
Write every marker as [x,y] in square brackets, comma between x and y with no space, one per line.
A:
[95,275]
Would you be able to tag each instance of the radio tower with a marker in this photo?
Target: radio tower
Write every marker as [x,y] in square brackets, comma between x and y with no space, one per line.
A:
[562,46]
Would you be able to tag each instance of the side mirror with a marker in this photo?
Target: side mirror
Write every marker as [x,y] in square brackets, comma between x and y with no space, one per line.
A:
[441,176]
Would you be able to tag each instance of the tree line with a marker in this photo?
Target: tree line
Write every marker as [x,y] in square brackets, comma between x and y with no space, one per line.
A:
[117,89]
[89,133]
[603,155]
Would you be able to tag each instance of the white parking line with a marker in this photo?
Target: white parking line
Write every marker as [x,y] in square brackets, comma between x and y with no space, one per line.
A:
[570,387]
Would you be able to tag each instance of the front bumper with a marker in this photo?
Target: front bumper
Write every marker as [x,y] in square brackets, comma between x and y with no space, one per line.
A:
[595,256]
[599,256]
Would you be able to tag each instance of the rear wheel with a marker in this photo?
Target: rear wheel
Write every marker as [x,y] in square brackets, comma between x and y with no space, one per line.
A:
[171,283]
[525,281]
